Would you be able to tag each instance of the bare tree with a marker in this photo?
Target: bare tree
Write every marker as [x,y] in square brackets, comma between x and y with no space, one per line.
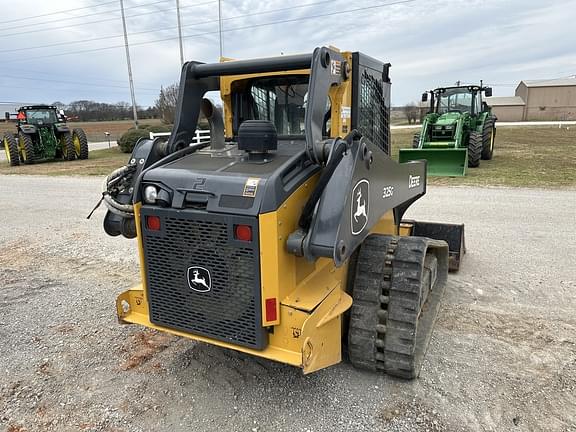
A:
[166,103]
[412,112]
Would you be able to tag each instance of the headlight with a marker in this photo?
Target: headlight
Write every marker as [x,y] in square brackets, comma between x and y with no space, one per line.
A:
[449,127]
[150,194]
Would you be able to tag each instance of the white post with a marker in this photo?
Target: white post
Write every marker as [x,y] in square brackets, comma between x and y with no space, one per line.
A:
[131,81]
[220,27]
[180,32]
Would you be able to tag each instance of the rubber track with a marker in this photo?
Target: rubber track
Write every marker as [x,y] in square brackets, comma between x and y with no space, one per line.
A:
[405,342]
[366,336]
[388,332]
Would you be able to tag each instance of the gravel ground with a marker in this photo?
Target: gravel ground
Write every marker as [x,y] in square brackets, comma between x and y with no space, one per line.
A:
[502,358]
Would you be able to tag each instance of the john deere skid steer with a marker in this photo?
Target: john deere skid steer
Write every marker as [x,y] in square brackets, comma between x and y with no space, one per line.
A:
[458,131]
[283,236]
[42,134]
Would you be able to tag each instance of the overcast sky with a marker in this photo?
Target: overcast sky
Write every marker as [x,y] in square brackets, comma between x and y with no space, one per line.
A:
[429,42]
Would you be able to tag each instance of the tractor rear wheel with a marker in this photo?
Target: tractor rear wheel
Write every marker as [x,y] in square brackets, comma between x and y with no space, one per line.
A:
[67,146]
[26,148]
[398,285]
[11,149]
[474,149]
[416,141]
[80,143]
[488,138]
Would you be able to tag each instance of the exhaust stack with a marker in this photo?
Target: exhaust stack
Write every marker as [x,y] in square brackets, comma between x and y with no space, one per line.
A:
[216,122]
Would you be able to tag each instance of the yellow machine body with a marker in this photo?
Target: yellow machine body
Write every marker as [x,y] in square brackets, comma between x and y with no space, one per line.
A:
[311,296]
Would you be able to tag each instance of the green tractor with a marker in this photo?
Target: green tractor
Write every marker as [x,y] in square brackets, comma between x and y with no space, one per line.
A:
[42,134]
[457,132]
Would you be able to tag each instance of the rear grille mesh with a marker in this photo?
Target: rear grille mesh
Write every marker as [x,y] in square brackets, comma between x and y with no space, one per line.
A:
[231,310]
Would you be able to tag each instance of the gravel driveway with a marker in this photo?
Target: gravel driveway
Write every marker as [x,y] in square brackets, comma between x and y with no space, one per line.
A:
[502,358]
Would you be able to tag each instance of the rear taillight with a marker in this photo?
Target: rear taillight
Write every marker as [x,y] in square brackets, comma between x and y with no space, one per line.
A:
[271,311]
[243,232]
[153,223]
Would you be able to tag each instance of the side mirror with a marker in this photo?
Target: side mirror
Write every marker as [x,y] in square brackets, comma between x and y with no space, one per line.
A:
[424,97]
[488,92]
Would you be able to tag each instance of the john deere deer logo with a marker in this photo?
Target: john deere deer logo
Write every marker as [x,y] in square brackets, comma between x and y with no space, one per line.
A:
[360,206]
[199,279]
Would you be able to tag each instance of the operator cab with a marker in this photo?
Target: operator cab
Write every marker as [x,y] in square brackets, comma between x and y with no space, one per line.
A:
[460,100]
[38,115]
[280,99]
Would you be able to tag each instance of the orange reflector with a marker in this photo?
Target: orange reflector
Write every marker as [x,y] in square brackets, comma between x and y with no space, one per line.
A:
[243,232]
[153,223]
[271,313]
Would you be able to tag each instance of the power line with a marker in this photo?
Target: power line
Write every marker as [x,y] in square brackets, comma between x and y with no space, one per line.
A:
[84,16]
[103,20]
[70,82]
[89,78]
[225,30]
[170,28]
[57,90]
[56,13]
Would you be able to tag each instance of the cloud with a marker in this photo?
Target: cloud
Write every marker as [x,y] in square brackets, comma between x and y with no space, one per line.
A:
[429,43]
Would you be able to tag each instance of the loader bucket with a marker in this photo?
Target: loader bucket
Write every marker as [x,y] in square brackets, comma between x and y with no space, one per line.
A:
[446,162]
[453,234]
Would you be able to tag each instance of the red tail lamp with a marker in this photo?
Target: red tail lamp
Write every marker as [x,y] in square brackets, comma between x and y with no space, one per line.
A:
[271,312]
[153,223]
[243,232]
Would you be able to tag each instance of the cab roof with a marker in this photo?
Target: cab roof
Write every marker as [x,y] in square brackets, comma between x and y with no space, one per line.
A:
[32,107]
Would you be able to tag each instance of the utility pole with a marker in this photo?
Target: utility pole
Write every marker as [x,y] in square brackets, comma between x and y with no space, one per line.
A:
[130,79]
[180,32]
[220,27]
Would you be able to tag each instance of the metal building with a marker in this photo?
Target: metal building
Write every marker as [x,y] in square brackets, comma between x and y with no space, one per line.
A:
[548,99]
[507,108]
[538,100]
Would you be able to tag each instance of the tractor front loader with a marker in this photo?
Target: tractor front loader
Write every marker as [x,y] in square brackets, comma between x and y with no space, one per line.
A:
[282,237]
[42,134]
[458,131]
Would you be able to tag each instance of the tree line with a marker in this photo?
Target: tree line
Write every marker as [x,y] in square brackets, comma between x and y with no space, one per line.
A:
[89,110]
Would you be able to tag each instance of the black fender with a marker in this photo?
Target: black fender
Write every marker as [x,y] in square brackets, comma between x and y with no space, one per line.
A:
[28,129]
[62,128]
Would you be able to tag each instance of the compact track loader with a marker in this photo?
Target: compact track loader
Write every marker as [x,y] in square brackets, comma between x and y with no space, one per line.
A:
[283,236]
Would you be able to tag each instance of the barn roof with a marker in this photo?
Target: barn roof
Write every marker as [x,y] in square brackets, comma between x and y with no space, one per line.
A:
[505,101]
[559,82]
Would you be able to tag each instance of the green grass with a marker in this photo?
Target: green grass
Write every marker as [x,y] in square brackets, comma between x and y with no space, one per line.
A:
[100,162]
[523,157]
[529,157]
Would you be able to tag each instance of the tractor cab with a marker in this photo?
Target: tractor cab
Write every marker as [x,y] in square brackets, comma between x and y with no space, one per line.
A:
[39,115]
[454,100]
[460,100]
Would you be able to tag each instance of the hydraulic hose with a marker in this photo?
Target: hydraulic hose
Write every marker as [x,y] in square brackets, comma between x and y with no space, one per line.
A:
[124,210]
[127,210]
